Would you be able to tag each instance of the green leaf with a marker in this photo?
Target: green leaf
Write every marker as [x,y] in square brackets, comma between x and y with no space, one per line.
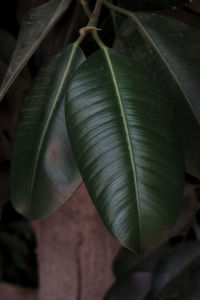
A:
[35,26]
[8,42]
[43,173]
[169,50]
[126,147]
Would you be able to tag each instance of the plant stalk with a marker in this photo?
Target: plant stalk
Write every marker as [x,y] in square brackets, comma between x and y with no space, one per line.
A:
[85,6]
[91,26]
[96,12]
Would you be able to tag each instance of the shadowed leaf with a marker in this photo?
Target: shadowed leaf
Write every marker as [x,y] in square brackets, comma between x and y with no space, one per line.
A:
[176,267]
[135,286]
[8,42]
[44,174]
[169,50]
[35,26]
[151,4]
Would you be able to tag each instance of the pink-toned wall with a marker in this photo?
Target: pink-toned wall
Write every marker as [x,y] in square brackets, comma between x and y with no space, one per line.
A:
[75,254]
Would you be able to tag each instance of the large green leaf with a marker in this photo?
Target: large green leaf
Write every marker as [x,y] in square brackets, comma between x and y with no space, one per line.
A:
[35,26]
[170,52]
[126,147]
[44,174]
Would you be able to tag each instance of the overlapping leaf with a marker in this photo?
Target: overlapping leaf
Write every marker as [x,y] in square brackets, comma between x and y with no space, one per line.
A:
[134,274]
[166,272]
[135,286]
[176,267]
[170,52]
[44,173]
[8,42]
[126,147]
[35,26]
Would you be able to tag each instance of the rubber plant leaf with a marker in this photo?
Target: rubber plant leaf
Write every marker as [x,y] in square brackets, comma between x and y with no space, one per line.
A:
[43,173]
[6,51]
[169,50]
[34,27]
[126,147]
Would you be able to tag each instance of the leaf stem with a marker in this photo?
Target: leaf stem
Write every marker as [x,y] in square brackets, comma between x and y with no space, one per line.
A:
[97,39]
[113,16]
[80,38]
[121,10]
[93,16]
[96,13]
[85,6]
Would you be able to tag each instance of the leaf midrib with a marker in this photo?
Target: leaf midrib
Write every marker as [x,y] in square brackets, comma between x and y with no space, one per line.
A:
[127,133]
[53,108]
[164,59]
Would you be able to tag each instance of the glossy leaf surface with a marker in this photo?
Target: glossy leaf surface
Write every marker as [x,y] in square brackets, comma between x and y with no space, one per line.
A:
[44,173]
[35,26]
[126,147]
[170,52]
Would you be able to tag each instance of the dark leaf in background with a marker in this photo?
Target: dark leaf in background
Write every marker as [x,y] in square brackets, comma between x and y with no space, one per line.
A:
[8,42]
[35,26]
[194,6]
[134,287]
[192,289]
[175,268]
[42,144]
[126,147]
[167,50]
[18,263]
[128,262]
[134,273]
[22,7]
[187,212]
[64,32]
[166,272]
[151,4]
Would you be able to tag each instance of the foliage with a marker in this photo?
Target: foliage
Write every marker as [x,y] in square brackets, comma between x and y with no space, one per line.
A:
[127,118]
[18,263]
[51,164]
[168,271]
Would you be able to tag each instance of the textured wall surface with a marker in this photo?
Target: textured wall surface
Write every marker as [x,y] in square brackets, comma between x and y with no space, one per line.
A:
[75,254]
